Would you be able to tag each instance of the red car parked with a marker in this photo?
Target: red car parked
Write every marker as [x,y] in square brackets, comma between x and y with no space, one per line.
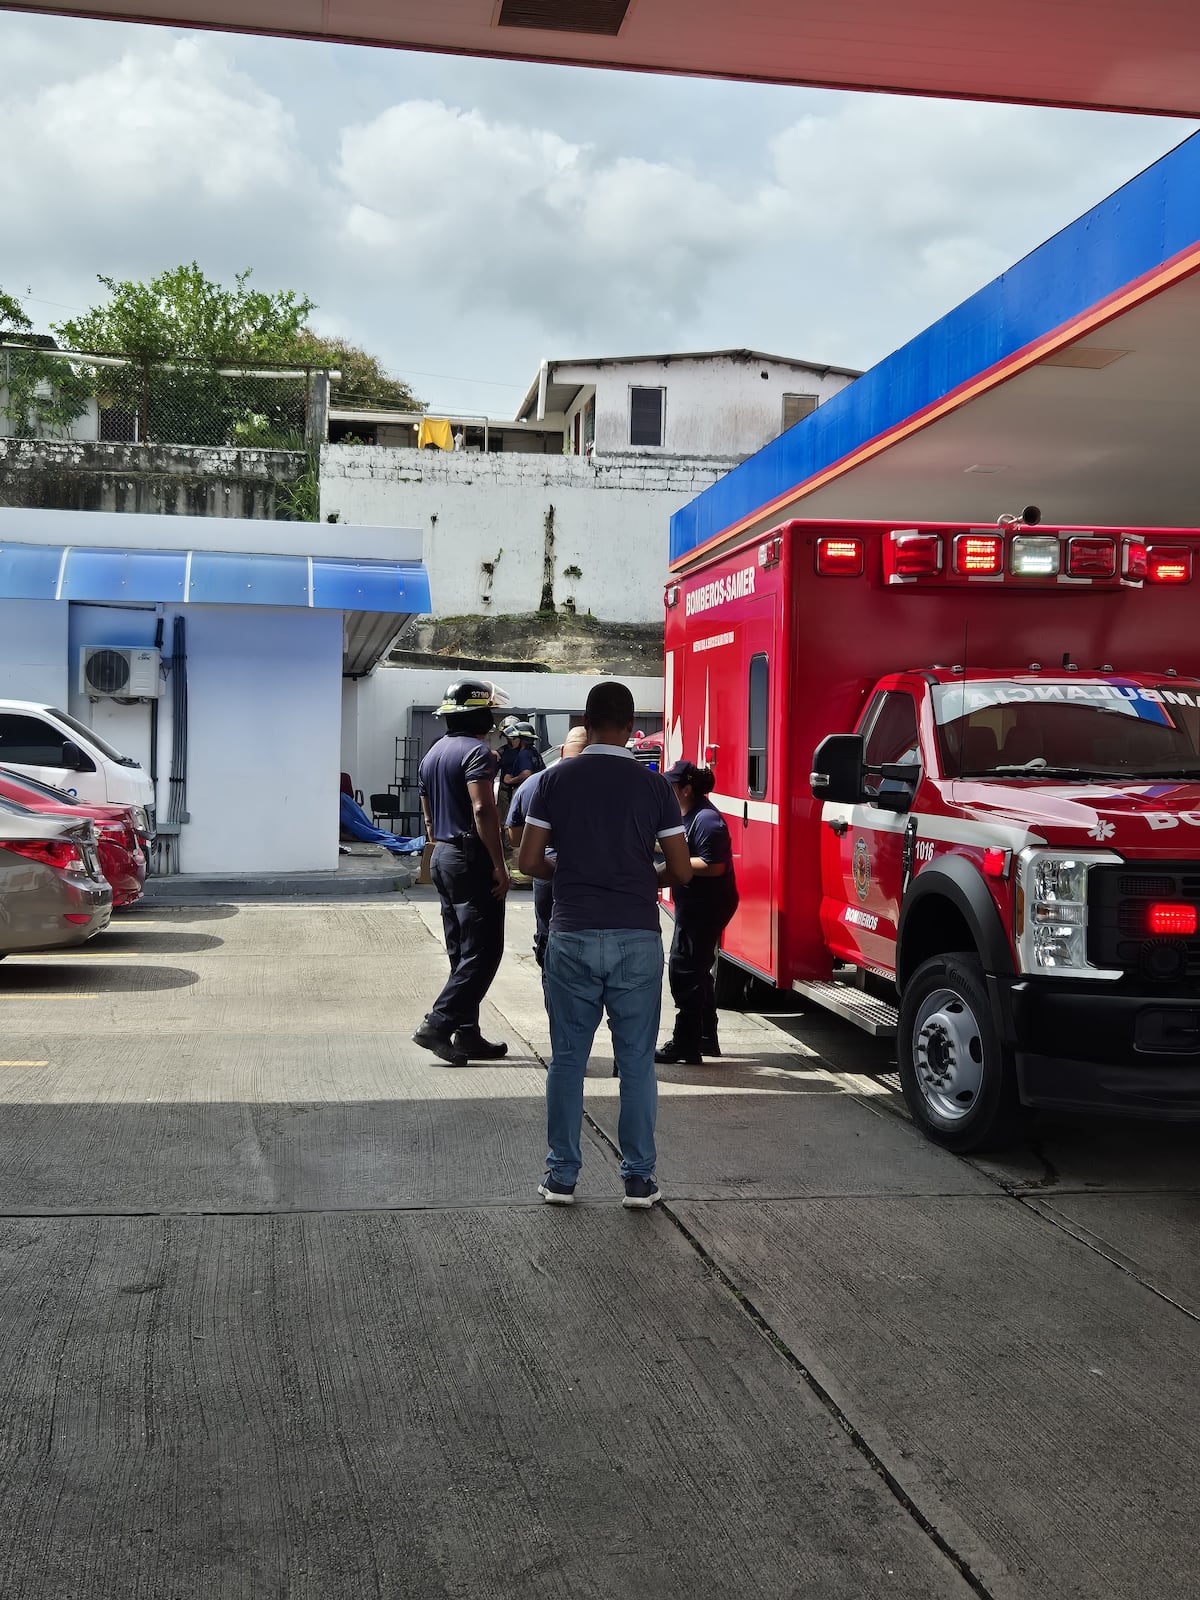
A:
[122,860]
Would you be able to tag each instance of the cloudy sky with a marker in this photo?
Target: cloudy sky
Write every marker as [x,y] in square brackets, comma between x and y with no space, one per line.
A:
[462,219]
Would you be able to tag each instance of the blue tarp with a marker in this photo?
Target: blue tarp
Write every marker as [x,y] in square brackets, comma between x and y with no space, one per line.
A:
[356,822]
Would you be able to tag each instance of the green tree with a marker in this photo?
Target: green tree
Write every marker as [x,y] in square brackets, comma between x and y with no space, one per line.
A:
[181,314]
[363,384]
[181,328]
[43,395]
[12,317]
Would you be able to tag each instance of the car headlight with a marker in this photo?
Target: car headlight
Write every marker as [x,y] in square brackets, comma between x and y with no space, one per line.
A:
[1052,911]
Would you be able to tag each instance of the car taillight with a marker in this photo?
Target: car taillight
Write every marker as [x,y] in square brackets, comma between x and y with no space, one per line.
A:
[978,555]
[60,853]
[1176,919]
[1168,564]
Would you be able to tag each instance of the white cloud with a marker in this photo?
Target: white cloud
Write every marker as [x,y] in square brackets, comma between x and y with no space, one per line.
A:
[468,218]
[172,122]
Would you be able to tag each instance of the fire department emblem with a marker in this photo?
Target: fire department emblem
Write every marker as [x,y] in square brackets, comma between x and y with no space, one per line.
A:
[1102,830]
[862,869]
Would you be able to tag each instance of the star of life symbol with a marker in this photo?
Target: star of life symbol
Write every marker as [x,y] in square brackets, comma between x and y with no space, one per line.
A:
[1102,830]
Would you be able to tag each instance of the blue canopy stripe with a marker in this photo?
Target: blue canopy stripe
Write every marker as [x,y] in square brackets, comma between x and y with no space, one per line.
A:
[211,577]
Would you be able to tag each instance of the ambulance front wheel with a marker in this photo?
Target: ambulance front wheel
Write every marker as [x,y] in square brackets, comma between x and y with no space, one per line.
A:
[958,1080]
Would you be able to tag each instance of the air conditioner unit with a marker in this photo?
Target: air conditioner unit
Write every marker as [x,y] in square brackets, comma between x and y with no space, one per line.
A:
[120,672]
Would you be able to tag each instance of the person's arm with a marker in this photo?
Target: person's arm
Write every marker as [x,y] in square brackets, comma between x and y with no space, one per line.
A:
[532,858]
[487,826]
[515,832]
[428,818]
[676,869]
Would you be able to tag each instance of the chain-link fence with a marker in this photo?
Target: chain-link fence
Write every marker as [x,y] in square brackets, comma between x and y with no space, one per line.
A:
[46,393]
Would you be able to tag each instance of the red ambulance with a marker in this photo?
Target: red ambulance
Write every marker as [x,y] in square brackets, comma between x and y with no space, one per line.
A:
[961,771]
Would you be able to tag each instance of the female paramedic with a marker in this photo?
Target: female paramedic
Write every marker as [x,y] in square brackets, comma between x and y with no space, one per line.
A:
[702,908]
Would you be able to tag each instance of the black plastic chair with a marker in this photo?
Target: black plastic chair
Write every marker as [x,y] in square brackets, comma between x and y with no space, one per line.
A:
[391,809]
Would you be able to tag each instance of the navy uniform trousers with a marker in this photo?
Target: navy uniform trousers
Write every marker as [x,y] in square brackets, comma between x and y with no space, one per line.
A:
[689,969]
[473,919]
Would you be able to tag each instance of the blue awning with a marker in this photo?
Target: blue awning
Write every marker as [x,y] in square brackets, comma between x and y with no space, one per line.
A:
[211,577]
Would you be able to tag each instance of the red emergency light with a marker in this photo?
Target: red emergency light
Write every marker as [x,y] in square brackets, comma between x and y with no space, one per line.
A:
[978,555]
[1091,558]
[1166,918]
[840,558]
[1168,564]
[913,555]
[1133,561]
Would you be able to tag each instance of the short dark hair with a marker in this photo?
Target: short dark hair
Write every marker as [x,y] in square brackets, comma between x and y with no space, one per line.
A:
[609,705]
[477,722]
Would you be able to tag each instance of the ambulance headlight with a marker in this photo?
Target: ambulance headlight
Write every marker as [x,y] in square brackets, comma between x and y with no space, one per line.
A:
[1052,911]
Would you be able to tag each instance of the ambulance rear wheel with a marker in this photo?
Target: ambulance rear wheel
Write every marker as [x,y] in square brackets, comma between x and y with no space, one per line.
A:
[959,1081]
[733,986]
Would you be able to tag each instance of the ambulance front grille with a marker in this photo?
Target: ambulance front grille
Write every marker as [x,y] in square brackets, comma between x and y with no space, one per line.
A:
[1119,936]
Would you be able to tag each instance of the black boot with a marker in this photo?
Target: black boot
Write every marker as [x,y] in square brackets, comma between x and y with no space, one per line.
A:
[671,1053]
[476,1047]
[709,1046]
[442,1045]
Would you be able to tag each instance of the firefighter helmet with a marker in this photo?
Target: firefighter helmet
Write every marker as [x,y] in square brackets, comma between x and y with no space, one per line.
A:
[470,695]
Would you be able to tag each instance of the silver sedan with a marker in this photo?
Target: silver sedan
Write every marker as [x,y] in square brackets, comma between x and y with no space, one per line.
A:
[51,889]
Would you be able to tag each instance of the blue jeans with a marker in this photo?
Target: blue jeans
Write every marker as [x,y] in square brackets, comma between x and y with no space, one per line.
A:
[618,970]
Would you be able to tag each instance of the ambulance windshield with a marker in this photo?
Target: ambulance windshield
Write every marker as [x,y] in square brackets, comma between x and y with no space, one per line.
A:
[1074,728]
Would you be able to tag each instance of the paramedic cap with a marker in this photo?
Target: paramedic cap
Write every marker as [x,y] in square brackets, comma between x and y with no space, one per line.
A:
[681,772]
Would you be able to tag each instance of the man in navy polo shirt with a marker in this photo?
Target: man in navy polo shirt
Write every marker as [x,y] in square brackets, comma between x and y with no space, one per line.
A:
[603,814]
[455,781]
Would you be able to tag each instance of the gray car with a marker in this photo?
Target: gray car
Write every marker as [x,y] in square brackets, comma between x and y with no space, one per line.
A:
[52,892]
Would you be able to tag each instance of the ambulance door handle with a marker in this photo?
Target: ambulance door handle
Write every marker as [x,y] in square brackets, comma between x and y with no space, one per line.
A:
[839,826]
[746,815]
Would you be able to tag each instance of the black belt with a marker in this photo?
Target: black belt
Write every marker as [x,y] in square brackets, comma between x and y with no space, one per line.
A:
[461,840]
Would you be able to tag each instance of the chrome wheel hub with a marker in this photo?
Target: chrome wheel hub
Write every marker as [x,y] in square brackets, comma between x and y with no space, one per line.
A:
[947,1055]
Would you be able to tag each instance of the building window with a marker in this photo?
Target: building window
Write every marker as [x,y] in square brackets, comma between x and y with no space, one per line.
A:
[646,416]
[796,406]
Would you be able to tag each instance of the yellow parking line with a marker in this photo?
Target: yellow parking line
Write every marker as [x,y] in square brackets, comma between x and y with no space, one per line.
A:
[48,996]
[84,955]
[24,1063]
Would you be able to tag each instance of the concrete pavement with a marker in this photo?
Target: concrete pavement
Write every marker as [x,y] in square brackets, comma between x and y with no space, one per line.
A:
[283,1316]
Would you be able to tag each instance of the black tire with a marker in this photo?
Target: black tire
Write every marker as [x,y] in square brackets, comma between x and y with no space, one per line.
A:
[958,1079]
[732,985]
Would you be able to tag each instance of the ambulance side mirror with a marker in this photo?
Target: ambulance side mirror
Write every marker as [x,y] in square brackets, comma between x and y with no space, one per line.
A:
[838,769]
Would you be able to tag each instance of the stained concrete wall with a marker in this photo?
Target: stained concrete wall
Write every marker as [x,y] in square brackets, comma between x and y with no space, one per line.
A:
[196,481]
[499,529]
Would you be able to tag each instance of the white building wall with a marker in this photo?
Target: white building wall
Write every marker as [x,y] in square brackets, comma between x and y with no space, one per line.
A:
[713,405]
[33,651]
[611,520]
[375,709]
[264,720]
[264,712]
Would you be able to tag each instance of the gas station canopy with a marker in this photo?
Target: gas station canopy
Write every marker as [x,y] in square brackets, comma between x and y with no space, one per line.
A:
[1104,54]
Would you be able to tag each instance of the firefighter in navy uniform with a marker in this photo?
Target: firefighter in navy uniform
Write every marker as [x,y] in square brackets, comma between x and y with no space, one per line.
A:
[702,909]
[456,780]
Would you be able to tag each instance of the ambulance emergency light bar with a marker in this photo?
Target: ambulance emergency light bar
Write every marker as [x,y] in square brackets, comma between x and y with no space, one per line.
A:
[985,555]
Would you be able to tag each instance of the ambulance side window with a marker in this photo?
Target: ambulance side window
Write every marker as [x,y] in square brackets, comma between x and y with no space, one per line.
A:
[756,723]
[892,736]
